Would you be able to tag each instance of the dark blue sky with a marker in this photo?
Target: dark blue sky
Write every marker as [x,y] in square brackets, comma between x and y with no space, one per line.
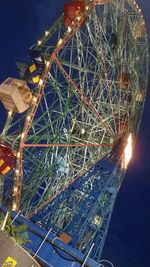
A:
[22,23]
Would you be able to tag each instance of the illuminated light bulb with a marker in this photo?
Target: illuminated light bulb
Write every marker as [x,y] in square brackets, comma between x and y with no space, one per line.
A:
[18,155]
[82,131]
[41,82]
[22,135]
[78,18]
[28,117]
[10,113]
[34,99]
[87,8]
[14,206]
[60,41]
[39,42]
[15,189]
[47,63]
[46,33]
[17,171]
[69,29]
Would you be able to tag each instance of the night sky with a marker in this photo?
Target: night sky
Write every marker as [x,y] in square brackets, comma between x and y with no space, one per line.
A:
[22,23]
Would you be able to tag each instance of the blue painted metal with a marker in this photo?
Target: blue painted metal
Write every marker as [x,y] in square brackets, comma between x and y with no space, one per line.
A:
[54,252]
[82,212]
[44,214]
[85,206]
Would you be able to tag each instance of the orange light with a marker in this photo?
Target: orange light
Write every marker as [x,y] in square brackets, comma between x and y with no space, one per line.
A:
[14,206]
[40,82]
[1,162]
[127,155]
[7,169]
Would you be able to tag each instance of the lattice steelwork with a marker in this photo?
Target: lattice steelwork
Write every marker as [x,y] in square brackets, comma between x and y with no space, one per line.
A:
[90,95]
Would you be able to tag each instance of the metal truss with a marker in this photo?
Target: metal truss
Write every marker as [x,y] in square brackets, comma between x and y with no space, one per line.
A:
[83,208]
[80,109]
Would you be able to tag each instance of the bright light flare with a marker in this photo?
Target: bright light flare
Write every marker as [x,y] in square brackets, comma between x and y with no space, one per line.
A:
[127,155]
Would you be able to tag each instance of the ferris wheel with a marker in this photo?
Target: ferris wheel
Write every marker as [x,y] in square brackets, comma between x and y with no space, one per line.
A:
[80,98]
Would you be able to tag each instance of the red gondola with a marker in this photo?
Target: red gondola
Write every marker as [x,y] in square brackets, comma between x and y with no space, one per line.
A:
[71,10]
[7,158]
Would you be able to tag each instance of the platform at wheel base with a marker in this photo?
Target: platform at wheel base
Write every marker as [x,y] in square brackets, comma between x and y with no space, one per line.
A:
[44,249]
